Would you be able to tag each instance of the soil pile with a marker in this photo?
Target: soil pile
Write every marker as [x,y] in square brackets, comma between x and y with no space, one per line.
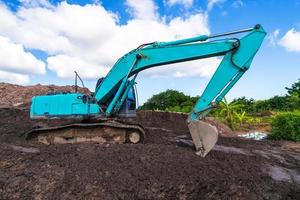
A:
[159,169]
[21,95]
[15,121]
[176,122]
[236,168]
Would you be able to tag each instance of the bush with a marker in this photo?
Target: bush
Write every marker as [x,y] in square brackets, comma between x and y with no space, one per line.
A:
[286,126]
[170,100]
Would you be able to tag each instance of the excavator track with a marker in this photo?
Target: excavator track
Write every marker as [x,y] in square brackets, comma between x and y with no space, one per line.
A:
[105,131]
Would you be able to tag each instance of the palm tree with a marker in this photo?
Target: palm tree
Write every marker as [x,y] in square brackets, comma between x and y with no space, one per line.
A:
[228,111]
[240,117]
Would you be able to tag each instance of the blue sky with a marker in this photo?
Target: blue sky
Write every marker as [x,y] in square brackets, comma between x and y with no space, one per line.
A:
[47,39]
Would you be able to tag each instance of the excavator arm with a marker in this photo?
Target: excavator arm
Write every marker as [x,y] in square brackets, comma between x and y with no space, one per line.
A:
[114,89]
[237,57]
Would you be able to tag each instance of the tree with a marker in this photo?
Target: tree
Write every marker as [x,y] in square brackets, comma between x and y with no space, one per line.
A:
[294,89]
[241,117]
[229,110]
[246,104]
[170,100]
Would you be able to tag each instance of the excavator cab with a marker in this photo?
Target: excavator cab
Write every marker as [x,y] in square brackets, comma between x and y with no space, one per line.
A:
[129,107]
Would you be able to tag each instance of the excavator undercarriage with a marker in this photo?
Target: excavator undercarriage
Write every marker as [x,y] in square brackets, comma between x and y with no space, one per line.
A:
[101,131]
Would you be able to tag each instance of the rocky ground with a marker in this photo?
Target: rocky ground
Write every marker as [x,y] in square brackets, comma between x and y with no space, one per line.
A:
[161,168]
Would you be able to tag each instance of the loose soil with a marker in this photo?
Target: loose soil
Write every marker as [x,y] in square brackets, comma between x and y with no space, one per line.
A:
[161,168]
[20,96]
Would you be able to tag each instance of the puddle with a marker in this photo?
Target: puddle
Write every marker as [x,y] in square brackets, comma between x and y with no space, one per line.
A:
[233,150]
[256,135]
[283,174]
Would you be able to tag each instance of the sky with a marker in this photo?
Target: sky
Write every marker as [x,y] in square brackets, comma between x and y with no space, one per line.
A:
[45,41]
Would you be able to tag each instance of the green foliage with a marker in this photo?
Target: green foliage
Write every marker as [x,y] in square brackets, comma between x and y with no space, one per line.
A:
[286,126]
[277,103]
[234,115]
[245,104]
[170,100]
[288,102]
[252,121]
[239,112]
[229,112]
[240,117]
[295,89]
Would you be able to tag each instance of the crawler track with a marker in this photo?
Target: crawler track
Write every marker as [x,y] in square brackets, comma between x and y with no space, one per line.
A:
[105,131]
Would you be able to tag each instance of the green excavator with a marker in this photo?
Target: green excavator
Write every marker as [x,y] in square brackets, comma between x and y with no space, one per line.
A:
[115,97]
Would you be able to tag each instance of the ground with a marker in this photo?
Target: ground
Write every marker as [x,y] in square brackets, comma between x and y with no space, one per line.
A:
[162,168]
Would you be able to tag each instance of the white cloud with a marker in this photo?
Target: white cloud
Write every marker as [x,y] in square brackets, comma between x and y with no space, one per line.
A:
[142,9]
[185,3]
[291,40]
[238,4]
[273,37]
[89,38]
[13,78]
[204,67]
[57,30]
[13,58]
[212,3]
[65,66]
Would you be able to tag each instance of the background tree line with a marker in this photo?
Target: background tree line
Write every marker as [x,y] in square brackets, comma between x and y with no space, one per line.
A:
[172,100]
[283,112]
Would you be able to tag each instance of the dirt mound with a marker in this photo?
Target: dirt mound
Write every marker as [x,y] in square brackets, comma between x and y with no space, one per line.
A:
[21,95]
[176,122]
[150,171]
[159,169]
[16,121]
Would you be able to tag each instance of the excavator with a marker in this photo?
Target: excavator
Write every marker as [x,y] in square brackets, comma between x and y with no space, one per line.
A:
[102,113]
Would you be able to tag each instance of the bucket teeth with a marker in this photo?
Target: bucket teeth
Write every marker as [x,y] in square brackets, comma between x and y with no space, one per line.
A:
[204,136]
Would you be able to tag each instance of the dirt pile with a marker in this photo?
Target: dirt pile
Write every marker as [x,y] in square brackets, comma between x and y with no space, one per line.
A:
[15,121]
[176,122]
[159,169]
[17,95]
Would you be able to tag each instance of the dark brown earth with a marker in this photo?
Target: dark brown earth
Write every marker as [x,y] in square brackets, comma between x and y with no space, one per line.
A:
[162,168]
[159,169]
[20,96]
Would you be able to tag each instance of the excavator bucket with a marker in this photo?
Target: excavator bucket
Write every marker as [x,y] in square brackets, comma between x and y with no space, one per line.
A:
[204,136]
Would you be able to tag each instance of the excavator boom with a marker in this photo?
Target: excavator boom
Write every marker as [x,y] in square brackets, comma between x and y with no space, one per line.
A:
[113,92]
